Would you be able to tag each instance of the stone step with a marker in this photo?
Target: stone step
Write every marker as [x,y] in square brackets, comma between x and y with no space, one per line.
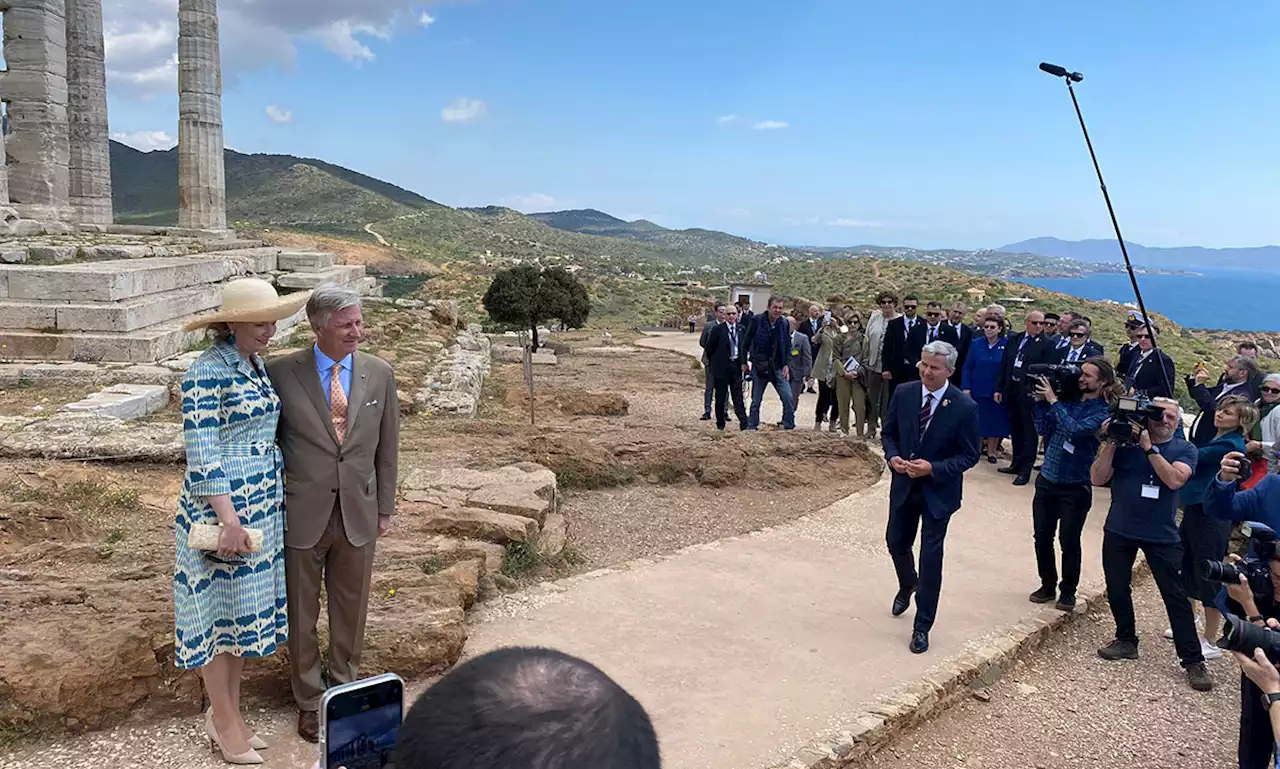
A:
[305,261]
[113,281]
[128,315]
[343,275]
[369,286]
[123,401]
[145,345]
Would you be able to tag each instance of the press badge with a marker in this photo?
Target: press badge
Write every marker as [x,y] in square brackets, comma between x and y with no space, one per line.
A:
[1017,362]
[1068,447]
[1150,491]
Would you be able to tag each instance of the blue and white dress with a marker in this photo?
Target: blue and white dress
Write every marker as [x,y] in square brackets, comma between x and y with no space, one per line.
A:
[229,416]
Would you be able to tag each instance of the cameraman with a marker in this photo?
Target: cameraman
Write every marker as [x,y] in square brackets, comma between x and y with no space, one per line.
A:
[1145,479]
[1259,687]
[1063,494]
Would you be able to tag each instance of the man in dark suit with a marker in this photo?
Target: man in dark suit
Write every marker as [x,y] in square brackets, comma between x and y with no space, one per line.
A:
[964,333]
[706,370]
[767,347]
[934,329]
[1151,372]
[930,438]
[896,337]
[1024,349]
[724,344]
[1129,350]
[1052,321]
[1238,379]
[1079,346]
[812,328]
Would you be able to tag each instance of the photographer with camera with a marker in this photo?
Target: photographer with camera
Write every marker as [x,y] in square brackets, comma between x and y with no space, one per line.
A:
[1147,462]
[1063,492]
[1260,503]
[1253,587]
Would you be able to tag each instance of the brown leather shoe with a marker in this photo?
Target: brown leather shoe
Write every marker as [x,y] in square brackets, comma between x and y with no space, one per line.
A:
[309,725]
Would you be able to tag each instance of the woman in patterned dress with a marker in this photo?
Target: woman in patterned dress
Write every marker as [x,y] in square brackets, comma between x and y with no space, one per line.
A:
[229,604]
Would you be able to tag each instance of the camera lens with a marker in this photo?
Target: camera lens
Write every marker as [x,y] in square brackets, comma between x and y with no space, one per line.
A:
[1245,637]
[1217,571]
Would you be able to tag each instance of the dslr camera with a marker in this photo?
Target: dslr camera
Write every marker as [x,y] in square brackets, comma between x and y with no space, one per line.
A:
[1237,634]
[1129,411]
[1064,378]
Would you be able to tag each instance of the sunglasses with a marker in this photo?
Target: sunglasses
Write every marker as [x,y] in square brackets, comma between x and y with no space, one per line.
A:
[933,314]
[1141,336]
[1272,390]
[910,306]
[887,301]
[1077,335]
[1037,323]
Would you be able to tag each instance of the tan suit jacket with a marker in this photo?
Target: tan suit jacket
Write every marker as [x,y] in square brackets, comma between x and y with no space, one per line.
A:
[361,472]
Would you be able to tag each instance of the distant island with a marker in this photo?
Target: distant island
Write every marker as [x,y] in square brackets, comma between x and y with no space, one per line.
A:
[1108,252]
[997,263]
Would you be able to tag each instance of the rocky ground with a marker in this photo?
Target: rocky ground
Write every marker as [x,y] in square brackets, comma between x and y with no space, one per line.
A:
[86,548]
[1065,708]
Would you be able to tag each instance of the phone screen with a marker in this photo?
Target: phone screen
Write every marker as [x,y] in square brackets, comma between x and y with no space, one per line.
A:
[362,724]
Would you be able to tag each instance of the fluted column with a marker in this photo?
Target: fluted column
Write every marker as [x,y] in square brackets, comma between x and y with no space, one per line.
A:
[90,167]
[202,186]
[35,87]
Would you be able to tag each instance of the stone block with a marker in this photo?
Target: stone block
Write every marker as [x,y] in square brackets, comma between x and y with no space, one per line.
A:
[114,281]
[342,275]
[13,255]
[554,534]
[30,315]
[471,523]
[246,260]
[53,253]
[513,499]
[123,401]
[81,436]
[139,312]
[146,345]
[109,251]
[305,261]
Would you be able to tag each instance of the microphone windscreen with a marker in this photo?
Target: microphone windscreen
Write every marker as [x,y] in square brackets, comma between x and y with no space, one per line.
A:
[1053,69]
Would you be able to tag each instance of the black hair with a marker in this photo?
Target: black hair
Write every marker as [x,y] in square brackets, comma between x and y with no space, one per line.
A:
[527,708]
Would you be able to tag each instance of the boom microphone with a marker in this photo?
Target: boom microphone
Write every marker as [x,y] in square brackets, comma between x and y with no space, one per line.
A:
[1056,71]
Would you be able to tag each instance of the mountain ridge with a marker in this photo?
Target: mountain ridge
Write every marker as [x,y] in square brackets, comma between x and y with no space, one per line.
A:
[1107,251]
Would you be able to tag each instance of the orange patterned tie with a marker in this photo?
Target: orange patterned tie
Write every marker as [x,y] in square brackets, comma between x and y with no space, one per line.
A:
[338,403]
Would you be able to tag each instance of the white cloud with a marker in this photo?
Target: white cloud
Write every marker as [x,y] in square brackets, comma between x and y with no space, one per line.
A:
[726,119]
[426,19]
[145,140]
[141,36]
[279,115]
[770,125]
[538,201]
[463,110]
[854,223]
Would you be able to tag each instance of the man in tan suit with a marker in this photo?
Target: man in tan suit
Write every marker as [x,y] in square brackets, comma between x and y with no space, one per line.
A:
[339,431]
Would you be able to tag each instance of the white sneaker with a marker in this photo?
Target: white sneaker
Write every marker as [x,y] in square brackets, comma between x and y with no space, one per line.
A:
[1210,651]
[1168,634]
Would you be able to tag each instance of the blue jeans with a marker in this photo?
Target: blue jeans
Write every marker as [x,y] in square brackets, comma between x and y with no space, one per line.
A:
[780,383]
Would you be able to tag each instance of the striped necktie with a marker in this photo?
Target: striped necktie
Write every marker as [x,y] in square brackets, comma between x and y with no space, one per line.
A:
[926,412]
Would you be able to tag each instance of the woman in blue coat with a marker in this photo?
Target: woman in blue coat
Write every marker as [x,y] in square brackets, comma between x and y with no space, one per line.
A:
[979,379]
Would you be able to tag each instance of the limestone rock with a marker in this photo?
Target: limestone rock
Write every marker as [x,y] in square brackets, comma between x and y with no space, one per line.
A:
[125,401]
[421,549]
[505,354]
[480,524]
[13,255]
[407,404]
[53,253]
[554,534]
[525,489]
[514,499]
[445,312]
[77,436]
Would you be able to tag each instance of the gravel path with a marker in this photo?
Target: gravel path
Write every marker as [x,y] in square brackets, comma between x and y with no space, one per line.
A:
[1065,708]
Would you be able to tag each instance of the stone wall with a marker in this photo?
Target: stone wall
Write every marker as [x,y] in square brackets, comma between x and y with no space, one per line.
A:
[456,381]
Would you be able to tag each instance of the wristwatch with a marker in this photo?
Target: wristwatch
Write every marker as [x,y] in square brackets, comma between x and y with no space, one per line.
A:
[1269,699]
[1152,450]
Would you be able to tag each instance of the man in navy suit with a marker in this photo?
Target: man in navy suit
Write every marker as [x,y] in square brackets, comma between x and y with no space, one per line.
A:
[896,338]
[934,329]
[1151,372]
[768,349]
[963,333]
[1079,346]
[724,344]
[930,439]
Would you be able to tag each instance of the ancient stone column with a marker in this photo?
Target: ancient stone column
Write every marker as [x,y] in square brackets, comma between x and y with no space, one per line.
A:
[90,148]
[202,186]
[35,88]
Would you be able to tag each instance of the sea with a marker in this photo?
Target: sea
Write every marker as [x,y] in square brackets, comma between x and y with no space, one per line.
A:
[1234,299]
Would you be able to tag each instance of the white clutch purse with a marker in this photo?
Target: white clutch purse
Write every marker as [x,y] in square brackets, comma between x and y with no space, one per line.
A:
[205,536]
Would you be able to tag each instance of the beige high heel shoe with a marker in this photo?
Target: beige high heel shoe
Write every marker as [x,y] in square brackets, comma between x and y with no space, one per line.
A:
[250,756]
[255,742]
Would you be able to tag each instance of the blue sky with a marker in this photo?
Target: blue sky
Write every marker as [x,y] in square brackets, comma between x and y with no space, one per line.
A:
[921,123]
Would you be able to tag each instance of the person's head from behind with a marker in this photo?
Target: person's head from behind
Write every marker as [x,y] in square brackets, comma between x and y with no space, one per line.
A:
[524,708]
[1247,349]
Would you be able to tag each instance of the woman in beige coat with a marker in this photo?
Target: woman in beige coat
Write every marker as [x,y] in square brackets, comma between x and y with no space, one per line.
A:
[850,342]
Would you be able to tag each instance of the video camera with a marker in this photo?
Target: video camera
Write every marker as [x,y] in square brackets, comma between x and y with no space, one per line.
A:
[1064,378]
[1128,411]
[1238,634]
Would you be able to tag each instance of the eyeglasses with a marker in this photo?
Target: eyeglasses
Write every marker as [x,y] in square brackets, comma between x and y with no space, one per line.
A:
[1272,390]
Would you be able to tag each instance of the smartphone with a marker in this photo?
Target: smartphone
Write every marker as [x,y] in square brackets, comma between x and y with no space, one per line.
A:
[826,318]
[360,723]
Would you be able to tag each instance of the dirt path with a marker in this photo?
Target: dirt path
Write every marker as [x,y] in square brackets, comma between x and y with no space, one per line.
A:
[381,240]
[1064,708]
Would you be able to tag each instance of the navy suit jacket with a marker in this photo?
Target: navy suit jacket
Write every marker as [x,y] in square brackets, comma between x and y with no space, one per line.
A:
[1149,380]
[1091,350]
[718,349]
[950,445]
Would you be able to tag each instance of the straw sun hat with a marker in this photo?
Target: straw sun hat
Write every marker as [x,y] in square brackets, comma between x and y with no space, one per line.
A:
[251,300]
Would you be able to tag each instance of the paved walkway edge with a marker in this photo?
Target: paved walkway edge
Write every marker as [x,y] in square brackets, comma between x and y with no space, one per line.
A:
[885,720]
